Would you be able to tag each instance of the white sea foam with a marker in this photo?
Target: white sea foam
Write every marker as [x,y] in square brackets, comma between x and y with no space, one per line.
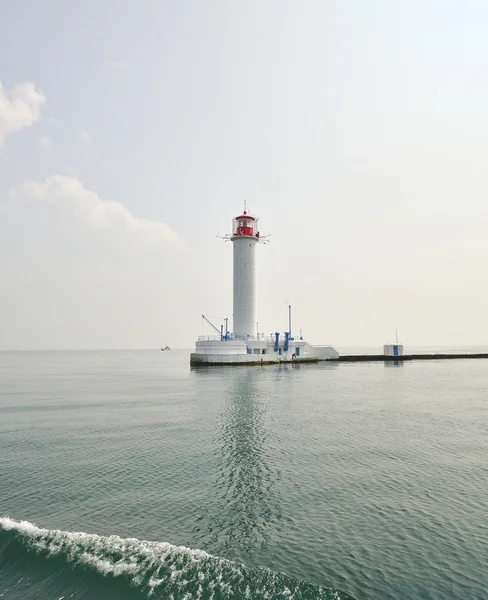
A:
[159,567]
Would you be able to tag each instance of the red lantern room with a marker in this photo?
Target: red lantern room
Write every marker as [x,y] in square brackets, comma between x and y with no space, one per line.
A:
[245,225]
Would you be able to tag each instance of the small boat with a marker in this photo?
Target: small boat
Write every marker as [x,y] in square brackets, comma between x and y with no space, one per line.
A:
[165,348]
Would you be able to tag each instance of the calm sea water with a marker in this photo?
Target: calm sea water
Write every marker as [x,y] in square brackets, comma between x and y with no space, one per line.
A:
[129,475]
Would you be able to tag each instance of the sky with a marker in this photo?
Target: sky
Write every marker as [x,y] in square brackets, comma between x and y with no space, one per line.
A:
[131,133]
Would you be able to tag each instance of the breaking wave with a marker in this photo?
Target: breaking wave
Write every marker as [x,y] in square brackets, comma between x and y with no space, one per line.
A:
[67,564]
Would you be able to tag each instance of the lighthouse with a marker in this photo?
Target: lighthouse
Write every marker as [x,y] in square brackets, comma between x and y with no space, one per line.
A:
[244,345]
[245,237]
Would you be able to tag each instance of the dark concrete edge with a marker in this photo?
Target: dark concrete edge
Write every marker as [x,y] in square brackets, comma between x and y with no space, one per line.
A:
[406,357]
[254,363]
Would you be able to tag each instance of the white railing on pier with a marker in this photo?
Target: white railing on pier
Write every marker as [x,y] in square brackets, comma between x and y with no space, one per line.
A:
[260,338]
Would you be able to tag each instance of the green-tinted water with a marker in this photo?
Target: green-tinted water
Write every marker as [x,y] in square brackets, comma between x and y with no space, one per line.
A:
[297,482]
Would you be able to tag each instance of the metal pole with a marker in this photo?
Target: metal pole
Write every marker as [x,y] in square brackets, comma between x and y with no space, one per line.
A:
[289,319]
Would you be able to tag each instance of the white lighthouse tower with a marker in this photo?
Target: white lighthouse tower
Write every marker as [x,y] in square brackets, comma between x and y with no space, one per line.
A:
[244,345]
[245,237]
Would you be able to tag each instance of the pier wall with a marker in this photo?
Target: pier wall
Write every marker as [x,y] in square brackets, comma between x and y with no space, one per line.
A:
[405,357]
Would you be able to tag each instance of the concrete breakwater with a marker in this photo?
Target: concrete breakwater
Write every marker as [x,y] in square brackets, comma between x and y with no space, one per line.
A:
[404,357]
[345,358]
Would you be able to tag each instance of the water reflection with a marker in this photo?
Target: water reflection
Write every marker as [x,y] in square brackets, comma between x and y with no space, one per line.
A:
[245,505]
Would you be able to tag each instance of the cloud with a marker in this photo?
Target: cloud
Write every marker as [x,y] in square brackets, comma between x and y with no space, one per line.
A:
[84,136]
[68,194]
[115,65]
[19,108]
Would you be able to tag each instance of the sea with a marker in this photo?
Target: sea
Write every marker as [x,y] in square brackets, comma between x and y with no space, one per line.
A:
[130,475]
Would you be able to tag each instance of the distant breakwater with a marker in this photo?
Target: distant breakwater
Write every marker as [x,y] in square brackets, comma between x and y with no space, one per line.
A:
[403,358]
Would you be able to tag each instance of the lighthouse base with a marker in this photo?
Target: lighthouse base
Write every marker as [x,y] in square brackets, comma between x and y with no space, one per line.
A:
[257,351]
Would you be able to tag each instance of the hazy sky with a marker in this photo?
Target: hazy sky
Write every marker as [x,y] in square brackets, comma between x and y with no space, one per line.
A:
[131,131]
